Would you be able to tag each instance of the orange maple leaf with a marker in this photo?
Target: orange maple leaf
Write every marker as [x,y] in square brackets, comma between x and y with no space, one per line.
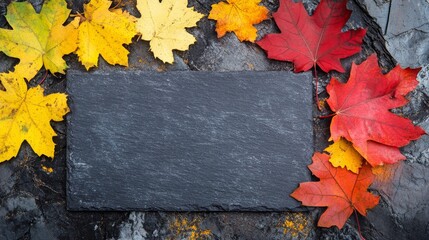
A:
[238,16]
[340,190]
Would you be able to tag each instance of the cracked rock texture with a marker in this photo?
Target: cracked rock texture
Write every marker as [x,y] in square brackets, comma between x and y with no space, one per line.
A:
[33,201]
[405,25]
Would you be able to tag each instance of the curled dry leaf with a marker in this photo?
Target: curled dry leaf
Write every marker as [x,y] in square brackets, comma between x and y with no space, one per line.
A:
[25,115]
[238,16]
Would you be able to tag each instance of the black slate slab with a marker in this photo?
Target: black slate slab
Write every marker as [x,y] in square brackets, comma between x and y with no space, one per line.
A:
[188,141]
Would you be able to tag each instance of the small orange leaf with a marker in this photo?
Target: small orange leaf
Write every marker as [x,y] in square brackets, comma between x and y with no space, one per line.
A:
[47,170]
[338,189]
[238,16]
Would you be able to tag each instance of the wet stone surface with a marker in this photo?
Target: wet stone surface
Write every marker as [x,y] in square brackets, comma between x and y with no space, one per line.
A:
[33,200]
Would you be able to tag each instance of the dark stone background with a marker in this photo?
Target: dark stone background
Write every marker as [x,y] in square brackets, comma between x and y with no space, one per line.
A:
[32,200]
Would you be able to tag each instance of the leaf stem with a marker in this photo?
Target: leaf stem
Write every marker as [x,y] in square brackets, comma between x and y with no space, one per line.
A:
[317,86]
[358,225]
[327,116]
[44,77]
[117,5]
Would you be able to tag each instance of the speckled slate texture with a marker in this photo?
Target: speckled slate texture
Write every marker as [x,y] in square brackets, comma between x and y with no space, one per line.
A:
[187,140]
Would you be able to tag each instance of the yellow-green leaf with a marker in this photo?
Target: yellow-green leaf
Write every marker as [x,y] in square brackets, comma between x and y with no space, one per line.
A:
[38,39]
[104,32]
[25,115]
[163,24]
[344,155]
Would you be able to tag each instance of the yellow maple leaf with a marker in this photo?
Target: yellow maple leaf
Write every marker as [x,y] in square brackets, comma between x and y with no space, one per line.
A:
[25,115]
[163,24]
[238,16]
[103,32]
[344,155]
[38,39]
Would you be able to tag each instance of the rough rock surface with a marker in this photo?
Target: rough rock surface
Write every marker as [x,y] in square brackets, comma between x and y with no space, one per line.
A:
[32,200]
[405,25]
[404,210]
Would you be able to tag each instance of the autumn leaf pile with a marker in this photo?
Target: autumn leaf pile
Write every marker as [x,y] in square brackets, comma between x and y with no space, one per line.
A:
[364,131]
[42,39]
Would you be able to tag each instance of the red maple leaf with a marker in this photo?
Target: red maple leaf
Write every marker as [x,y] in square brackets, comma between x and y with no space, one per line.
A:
[362,113]
[309,40]
[340,190]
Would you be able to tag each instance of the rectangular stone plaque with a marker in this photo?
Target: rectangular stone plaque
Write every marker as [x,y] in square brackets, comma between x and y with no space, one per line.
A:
[188,141]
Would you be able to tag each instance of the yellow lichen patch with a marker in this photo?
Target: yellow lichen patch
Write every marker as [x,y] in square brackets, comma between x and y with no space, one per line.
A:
[322,104]
[182,228]
[48,170]
[297,225]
